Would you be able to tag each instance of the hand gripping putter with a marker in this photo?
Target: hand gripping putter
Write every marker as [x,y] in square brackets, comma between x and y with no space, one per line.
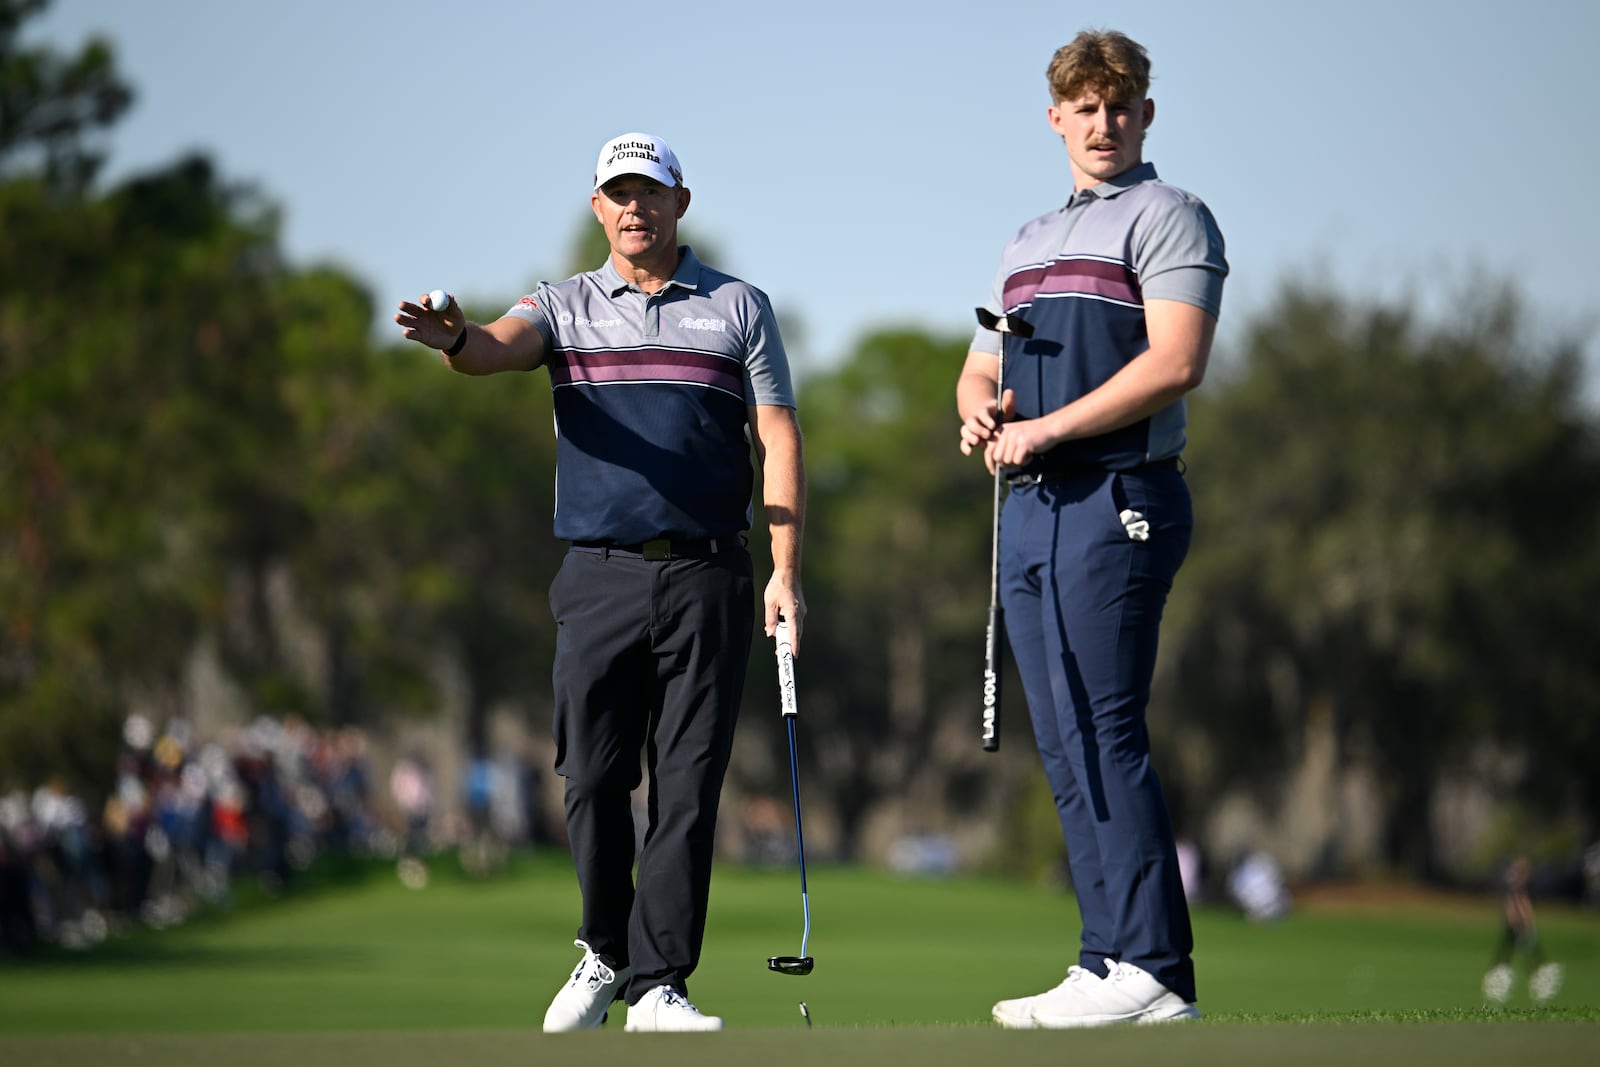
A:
[1016,326]
[802,963]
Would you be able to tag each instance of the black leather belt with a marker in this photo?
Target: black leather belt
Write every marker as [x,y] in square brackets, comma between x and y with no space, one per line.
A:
[1022,478]
[663,547]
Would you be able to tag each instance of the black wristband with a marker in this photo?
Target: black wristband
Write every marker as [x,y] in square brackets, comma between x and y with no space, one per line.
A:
[460,343]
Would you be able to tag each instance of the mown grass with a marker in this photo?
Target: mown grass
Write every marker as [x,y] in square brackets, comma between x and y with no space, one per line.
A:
[369,972]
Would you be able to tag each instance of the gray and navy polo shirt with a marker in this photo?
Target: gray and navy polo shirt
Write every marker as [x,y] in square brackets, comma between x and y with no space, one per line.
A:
[651,395]
[1080,276]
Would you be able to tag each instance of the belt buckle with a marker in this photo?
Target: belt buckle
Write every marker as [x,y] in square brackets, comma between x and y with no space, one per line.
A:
[1032,478]
[659,549]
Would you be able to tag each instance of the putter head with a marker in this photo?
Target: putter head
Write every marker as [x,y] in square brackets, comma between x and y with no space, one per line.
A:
[1011,323]
[790,964]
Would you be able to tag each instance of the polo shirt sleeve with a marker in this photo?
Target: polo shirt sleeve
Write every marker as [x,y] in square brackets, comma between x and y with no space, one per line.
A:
[1180,255]
[535,308]
[989,340]
[1032,243]
[766,364]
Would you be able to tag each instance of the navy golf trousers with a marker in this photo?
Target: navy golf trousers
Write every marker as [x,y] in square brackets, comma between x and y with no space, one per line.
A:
[1083,602]
[650,656]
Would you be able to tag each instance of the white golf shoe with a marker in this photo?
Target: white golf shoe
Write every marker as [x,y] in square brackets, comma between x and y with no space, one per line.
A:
[1017,1014]
[1129,994]
[581,1004]
[1545,981]
[665,1010]
[1497,983]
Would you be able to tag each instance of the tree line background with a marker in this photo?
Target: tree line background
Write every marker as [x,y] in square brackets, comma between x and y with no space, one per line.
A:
[1378,660]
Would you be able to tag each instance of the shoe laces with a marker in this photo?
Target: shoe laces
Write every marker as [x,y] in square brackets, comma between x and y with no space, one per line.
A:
[673,999]
[1074,974]
[1079,974]
[591,971]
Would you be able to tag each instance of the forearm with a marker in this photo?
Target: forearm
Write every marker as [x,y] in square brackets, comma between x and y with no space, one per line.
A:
[975,393]
[494,348]
[783,500]
[1139,390]
[1175,363]
[508,343]
[978,388]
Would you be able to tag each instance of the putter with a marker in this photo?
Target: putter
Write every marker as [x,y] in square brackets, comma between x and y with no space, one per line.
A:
[1016,326]
[802,963]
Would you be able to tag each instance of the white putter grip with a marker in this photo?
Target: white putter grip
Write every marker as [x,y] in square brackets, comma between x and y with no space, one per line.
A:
[785,666]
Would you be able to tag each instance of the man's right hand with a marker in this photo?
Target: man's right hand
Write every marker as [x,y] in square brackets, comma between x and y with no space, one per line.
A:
[436,329]
[983,426]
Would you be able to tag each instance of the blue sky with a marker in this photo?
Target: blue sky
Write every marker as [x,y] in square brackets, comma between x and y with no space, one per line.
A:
[864,162]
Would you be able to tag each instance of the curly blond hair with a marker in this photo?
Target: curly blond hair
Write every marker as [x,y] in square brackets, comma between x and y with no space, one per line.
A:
[1109,64]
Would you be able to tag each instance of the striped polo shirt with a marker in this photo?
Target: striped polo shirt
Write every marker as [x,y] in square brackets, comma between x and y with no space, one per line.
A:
[1080,276]
[651,395]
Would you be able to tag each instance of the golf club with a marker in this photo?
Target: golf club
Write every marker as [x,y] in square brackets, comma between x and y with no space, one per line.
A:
[1016,326]
[802,963]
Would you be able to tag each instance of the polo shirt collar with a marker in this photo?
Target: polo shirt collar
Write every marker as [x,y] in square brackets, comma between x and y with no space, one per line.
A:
[687,276]
[1144,172]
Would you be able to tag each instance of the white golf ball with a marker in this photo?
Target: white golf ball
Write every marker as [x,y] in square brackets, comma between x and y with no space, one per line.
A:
[440,300]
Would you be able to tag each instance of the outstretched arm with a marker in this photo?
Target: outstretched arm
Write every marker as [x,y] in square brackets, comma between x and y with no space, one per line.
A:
[508,343]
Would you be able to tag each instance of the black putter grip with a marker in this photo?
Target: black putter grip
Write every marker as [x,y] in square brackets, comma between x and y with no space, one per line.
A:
[991,678]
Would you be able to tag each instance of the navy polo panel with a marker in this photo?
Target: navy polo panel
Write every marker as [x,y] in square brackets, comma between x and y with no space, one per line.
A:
[1081,275]
[651,395]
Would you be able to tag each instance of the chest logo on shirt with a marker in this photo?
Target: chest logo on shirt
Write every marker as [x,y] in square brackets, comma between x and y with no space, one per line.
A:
[567,318]
[714,325]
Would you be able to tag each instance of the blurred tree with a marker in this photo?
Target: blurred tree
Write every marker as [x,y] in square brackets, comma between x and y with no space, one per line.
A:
[336,465]
[150,470]
[51,106]
[1397,542]
[136,351]
[468,533]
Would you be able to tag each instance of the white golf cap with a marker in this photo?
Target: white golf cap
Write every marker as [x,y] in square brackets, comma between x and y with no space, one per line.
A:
[638,153]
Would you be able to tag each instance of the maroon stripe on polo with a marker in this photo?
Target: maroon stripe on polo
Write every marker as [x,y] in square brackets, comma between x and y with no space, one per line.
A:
[574,366]
[1021,286]
[1092,277]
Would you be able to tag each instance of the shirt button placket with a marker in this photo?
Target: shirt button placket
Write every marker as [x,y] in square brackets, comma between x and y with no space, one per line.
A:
[652,318]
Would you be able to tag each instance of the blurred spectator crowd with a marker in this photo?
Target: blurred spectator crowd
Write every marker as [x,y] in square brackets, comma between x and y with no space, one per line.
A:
[188,818]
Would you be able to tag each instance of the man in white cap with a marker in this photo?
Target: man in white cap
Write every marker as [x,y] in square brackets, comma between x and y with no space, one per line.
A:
[659,364]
